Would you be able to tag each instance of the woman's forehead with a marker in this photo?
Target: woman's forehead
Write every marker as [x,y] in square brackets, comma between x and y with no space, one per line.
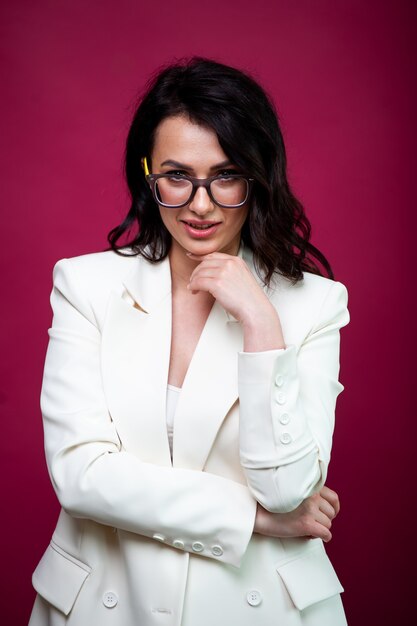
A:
[181,139]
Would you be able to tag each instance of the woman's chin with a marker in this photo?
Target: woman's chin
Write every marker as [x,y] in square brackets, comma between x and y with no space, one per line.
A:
[200,248]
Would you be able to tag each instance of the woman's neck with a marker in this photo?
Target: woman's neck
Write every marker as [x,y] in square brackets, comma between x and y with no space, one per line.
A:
[181,268]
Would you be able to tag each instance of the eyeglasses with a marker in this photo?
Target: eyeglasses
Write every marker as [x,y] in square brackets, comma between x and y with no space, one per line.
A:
[173,191]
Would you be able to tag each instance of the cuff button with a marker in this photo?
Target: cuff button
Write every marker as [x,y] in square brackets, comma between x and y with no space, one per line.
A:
[198,546]
[279,380]
[284,419]
[285,438]
[177,543]
[217,550]
[281,397]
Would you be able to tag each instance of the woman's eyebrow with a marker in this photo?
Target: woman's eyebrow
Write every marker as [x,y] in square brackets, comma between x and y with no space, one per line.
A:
[183,166]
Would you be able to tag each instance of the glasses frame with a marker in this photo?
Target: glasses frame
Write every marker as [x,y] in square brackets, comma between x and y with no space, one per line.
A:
[196,183]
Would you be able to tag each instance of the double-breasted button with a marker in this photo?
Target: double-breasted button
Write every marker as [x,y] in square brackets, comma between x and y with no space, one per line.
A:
[279,380]
[178,543]
[110,599]
[254,597]
[159,537]
[284,418]
[217,550]
[285,438]
[198,546]
[281,398]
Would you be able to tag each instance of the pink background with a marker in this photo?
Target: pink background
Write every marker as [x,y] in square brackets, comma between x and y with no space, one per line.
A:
[343,77]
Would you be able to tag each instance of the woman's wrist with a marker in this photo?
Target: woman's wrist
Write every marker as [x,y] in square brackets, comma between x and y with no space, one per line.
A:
[262,331]
[271,524]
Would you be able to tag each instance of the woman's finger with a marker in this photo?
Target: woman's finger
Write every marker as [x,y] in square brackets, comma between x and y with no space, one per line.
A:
[203,283]
[320,531]
[215,264]
[324,520]
[326,508]
[202,271]
[211,255]
[332,497]
[205,272]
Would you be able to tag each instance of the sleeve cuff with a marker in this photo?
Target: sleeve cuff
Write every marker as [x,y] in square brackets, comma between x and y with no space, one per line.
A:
[257,367]
[273,429]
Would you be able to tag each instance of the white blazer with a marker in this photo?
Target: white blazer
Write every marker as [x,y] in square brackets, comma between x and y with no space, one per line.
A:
[145,541]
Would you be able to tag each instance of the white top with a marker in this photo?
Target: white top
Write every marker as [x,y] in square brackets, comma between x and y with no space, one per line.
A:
[173,393]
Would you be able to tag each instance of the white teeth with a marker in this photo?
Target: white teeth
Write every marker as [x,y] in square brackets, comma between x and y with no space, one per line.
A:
[200,227]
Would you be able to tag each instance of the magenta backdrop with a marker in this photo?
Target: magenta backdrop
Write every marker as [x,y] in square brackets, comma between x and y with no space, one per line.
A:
[343,77]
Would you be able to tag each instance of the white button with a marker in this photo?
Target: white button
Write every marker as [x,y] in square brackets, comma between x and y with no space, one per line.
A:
[177,543]
[110,599]
[281,397]
[285,438]
[285,418]
[158,537]
[198,546]
[217,550]
[279,380]
[254,597]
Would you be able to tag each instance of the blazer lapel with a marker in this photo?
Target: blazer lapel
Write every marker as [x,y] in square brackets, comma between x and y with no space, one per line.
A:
[136,344]
[209,390]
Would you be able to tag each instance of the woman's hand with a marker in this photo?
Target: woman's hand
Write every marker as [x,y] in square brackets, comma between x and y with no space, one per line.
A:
[232,284]
[313,518]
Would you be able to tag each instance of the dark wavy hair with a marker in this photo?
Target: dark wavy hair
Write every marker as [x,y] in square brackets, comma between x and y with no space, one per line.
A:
[244,119]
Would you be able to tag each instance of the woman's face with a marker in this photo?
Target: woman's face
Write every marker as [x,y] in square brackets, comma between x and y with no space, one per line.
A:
[181,146]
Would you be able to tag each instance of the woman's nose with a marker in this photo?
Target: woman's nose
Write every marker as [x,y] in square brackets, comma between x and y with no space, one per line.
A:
[201,203]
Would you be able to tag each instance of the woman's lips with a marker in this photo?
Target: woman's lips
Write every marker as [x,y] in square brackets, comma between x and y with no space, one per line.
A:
[200,230]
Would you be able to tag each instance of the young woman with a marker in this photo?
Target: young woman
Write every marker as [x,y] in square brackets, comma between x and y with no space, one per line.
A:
[191,380]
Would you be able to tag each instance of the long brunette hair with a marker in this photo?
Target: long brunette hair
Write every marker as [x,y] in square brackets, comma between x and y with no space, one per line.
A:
[244,119]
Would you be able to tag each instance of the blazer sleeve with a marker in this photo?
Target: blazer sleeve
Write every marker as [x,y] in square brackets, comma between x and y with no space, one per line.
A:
[287,410]
[95,478]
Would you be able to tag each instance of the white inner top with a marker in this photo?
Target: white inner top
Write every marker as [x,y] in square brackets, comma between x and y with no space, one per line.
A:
[173,393]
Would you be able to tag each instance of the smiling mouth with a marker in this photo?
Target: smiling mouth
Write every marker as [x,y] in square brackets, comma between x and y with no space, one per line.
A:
[201,225]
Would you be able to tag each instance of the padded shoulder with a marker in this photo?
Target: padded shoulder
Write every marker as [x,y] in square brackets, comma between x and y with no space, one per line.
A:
[99,268]
[311,304]
[88,280]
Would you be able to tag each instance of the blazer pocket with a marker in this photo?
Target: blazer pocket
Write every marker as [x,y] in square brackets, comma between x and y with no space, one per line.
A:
[309,578]
[59,577]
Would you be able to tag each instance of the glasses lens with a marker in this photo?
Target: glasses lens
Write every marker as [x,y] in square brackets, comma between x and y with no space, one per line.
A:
[172,190]
[230,191]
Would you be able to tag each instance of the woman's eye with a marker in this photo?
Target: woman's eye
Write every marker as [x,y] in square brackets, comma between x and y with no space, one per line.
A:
[176,173]
[176,177]
[227,173]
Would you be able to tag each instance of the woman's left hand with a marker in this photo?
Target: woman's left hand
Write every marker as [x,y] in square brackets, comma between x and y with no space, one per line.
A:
[232,284]
[311,519]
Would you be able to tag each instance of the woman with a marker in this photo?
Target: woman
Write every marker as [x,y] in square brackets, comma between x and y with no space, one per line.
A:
[190,383]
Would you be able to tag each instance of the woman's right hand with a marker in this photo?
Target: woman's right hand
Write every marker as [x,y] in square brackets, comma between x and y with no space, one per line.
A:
[312,518]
